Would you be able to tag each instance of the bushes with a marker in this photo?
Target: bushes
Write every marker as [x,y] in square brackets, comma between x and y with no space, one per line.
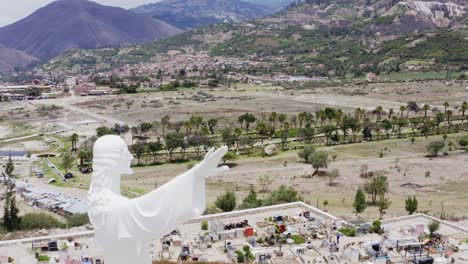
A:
[226,202]
[39,221]
[434,148]
[350,232]
[376,227]
[464,142]
[282,195]
[77,220]
[204,225]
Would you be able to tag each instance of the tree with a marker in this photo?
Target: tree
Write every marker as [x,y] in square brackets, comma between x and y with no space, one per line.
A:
[377,186]
[433,148]
[172,142]
[449,115]
[284,136]
[264,182]
[411,204]
[10,220]
[145,127]
[227,136]
[262,130]
[318,159]
[165,122]
[425,108]
[282,195]
[446,105]
[306,152]
[74,140]
[359,201]
[383,204]
[347,123]
[226,201]
[229,156]
[332,175]
[325,203]
[9,167]
[433,227]
[282,119]
[212,123]
[464,141]
[247,119]
[139,149]
[67,161]
[272,118]
[307,133]
[251,201]
[379,110]
[102,131]
[463,109]
[85,155]
[328,130]
[154,147]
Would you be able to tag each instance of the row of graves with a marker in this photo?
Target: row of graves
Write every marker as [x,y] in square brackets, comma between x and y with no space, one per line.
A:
[69,251]
[294,238]
[406,242]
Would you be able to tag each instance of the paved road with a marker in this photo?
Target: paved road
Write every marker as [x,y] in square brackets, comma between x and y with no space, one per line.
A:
[54,169]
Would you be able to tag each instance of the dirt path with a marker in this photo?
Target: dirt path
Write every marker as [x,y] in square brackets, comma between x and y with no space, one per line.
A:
[67,103]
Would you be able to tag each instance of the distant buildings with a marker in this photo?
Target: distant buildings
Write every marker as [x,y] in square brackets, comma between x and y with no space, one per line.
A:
[57,202]
[15,155]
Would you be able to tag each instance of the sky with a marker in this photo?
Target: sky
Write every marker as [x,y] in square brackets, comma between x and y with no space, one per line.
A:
[14,10]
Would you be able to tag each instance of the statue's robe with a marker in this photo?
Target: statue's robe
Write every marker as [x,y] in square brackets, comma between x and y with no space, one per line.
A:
[129,225]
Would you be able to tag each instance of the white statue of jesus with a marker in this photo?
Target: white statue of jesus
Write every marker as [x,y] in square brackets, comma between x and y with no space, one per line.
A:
[124,227]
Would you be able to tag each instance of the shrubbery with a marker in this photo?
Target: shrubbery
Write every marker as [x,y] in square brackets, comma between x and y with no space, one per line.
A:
[40,221]
[350,232]
[77,220]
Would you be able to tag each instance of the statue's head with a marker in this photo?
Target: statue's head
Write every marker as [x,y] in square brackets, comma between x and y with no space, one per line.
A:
[111,153]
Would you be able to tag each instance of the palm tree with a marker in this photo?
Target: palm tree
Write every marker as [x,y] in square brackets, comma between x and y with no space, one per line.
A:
[402,110]
[188,128]
[426,108]
[379,111]
[272,118]
[282,119]
[301,117]
[463,109]
[74,140]
[293,120]
[165,122]
[358,114]
[446,105]
[449,114]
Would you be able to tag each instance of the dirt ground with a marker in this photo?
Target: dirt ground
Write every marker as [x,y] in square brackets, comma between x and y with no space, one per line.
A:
[404,164]
[228,103]
[445,187]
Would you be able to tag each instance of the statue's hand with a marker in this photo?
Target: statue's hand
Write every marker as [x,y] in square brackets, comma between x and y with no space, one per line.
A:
[209,166]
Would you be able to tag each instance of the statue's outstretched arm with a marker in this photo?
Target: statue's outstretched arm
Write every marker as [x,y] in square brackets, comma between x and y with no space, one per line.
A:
[179,200]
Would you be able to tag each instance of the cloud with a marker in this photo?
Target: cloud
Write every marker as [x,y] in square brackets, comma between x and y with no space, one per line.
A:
[14,10]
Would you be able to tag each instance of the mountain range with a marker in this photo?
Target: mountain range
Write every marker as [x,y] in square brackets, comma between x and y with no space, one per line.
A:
[68,24]
[189,14]
[11,59]
[320,37]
